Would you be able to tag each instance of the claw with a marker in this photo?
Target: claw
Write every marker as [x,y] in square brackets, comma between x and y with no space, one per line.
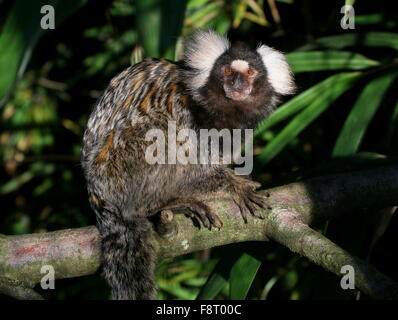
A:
[200,211]
[259,199]
[242,207]
[248,200]
[215,220]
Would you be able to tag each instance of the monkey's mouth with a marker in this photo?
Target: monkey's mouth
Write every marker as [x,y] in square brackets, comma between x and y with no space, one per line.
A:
[238,95]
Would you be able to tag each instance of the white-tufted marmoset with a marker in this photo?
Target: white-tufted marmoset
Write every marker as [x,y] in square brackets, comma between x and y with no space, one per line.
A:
[217,85]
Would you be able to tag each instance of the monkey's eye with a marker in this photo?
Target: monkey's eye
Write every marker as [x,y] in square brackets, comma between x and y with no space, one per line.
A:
[250,73]
[227,71]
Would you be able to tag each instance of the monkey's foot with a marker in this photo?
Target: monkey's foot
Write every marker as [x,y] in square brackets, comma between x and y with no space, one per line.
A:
[248,200]
[164,224]
[197,210]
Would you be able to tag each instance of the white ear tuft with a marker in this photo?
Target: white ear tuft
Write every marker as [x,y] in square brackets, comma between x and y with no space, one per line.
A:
[201,52]
[279,74]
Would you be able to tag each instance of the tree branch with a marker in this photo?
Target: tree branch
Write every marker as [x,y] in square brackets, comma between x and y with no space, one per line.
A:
[76,252]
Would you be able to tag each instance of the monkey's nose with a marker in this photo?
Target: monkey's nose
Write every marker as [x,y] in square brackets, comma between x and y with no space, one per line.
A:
[239,83]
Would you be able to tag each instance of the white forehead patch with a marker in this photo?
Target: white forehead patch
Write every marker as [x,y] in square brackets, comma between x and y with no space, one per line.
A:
[279,74]
[201,52]
[240,65]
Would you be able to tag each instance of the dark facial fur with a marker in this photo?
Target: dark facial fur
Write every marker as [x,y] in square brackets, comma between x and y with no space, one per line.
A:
[238,113]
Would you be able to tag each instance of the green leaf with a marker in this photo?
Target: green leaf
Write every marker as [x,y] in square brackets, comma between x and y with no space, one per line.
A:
[221,25]
[218,278]
[370,39]
[212,287]
[392,135]
[328,60]
[159,25]
[305,117]
[21,33]
[239,10]
[36,169]
[148,26]
[361,114]
[242,276]
[299,102]
[17,182]
[173,13]
[268,287]
[196,3]
[200,17]
[368,19]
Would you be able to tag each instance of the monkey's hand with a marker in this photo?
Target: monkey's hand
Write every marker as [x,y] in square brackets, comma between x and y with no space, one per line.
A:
[245,196]
[195,209]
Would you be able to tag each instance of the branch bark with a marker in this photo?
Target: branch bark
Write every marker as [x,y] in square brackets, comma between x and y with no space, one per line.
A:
[76,252]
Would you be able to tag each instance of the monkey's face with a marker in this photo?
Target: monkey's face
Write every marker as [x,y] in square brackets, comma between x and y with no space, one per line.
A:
[236,83]
[238,78]
[239,75]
